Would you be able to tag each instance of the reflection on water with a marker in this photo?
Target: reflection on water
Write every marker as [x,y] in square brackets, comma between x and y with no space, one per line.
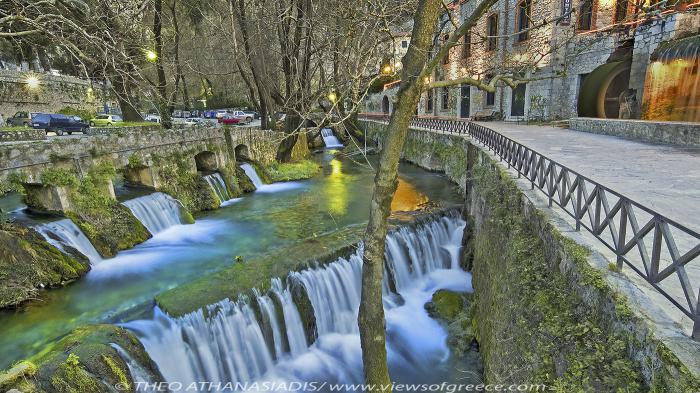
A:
[252,225]
[407,197]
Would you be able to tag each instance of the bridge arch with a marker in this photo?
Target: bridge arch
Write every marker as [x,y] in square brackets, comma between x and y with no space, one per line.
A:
[242,151]
[206,161]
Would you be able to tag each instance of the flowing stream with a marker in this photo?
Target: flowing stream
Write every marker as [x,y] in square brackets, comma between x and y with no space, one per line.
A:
[217,184]
[330,139]
[227,343]
[157,211]
[63,233]
[252,175]
[121,288]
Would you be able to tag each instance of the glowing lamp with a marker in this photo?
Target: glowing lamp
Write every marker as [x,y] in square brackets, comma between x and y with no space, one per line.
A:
[151,56]
[32,82]
[332,97]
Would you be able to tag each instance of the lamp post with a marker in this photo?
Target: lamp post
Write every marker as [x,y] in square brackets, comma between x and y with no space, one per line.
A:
[32,82]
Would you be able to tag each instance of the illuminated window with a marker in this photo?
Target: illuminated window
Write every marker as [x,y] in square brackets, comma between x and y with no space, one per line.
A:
[585,15]
[523,19]
[492,32]
[445,98]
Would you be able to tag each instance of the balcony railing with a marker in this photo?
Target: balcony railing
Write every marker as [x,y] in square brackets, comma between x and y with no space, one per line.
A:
[655,247]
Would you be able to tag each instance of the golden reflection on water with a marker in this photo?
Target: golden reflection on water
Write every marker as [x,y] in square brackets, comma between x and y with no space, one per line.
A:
[336,189]
[407,198]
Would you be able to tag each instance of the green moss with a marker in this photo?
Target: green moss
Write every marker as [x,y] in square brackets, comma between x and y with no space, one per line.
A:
[28,262]
[529,319]
[58,177]
[445,305]
[85,361]
[179,181]
[304,169]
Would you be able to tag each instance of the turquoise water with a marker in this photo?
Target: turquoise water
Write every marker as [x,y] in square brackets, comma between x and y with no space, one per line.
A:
[117,288]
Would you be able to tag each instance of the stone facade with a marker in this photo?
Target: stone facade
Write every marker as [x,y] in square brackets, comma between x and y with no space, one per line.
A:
[51,95]
[556,57]
[675,133]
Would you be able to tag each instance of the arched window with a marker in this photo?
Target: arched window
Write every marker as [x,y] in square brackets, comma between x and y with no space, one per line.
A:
[445,98]
[429,101]
[585,15]
[492,32]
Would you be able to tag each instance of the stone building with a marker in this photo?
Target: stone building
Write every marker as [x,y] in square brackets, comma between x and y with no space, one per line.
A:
[593,58]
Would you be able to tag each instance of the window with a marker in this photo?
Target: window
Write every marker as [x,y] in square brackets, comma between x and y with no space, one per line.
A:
[404,44]
[621,10]
[445,98]
[446,59]
[467,51]
[522,20]
[585,15]
[429,102]
[492,32]
[490,99]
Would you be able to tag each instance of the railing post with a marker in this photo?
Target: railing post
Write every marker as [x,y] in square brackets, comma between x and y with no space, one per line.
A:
[621,236]
[696,323]
[579,195]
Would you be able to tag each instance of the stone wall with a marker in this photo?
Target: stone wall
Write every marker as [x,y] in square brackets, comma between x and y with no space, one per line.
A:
[52,94]
[676,133]
[25,134]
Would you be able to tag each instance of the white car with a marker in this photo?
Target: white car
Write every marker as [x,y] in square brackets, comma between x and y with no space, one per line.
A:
[152,117]
[244,118]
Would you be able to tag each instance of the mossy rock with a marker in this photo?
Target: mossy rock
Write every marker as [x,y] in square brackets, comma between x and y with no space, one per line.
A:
[244,182]
[111,229]
[445,305]
[83,361]
[304,169]
[28,262]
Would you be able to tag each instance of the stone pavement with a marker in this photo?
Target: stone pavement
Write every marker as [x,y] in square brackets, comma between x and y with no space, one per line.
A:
[661,177]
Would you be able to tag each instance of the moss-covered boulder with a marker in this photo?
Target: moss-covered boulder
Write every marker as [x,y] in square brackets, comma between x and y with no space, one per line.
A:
[244,182]
[111,228]
[303,169]
[85,360]
[28,263]
[445,305]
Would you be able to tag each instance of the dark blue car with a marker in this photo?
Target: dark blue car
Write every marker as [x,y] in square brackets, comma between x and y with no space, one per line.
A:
[59,124]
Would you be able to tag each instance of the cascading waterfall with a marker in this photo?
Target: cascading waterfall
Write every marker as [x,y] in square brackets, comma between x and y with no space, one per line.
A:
[138,373]
[252,175]
[65,233]
[217,184]
[330,139]
[225,342]
[157,211]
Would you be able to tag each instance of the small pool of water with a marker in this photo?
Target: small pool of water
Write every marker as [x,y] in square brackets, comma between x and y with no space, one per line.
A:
[249,226]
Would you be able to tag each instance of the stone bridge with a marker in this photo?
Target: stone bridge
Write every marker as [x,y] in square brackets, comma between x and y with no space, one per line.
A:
[136,152]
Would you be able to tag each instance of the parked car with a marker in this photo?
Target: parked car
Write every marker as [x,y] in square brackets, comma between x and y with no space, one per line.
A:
[105,120]
[152,117]
[221,113]
[242,116]
[20,119]
[229,119]
[59,123]
[255,114]
[193,121]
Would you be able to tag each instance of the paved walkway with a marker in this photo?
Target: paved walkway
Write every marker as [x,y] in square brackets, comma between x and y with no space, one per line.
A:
[662,177]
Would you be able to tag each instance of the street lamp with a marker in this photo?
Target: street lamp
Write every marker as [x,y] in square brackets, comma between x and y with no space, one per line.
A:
[332,97]
[151,56]
[32,82]
[387,70]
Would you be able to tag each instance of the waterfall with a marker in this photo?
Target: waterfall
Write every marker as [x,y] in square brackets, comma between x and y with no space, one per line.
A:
[252,175]
[329,138]
[157,211]
[217,184]
[65,233]
[225,341]
[138,373]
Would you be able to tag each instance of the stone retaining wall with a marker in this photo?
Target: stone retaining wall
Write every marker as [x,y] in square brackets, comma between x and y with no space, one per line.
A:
[27,134]
[676,133]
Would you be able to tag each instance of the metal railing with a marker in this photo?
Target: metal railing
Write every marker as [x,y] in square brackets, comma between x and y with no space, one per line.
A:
[642,239]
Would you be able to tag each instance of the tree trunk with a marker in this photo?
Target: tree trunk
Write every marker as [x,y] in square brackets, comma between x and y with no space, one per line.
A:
[371,316]
[163,107]
[122,90]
